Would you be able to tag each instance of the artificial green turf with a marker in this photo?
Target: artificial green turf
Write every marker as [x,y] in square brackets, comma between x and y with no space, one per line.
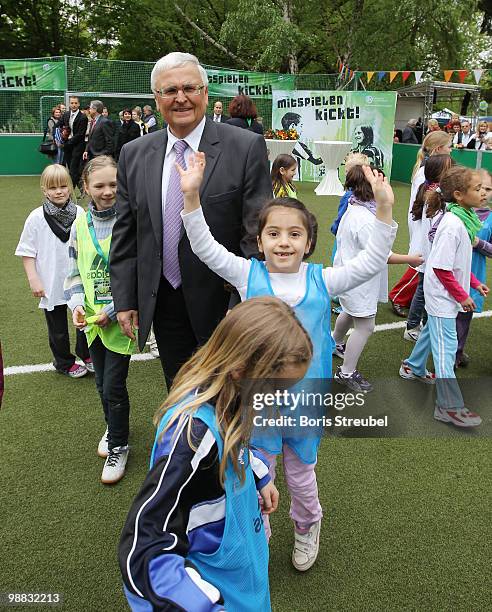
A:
[406,520]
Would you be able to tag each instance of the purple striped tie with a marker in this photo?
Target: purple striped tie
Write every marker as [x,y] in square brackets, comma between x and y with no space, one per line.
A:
[172,220]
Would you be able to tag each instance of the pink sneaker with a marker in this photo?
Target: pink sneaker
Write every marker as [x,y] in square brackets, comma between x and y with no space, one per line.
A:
[76,371]
[89,365]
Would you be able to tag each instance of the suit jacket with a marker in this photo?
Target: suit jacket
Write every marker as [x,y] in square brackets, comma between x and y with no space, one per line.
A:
[78,129]
[101,139]
[409,136]
[242,123]
[235,186]
[223,118]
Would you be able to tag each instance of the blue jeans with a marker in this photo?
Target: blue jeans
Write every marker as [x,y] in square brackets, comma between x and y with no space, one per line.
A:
[417,310]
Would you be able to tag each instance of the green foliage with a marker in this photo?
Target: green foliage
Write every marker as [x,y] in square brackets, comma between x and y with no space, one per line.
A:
[268,35]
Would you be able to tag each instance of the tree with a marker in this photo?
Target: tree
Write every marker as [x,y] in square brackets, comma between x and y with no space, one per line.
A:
[38,28]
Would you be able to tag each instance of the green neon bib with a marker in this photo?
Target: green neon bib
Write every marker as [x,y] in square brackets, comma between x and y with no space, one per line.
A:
[92,259]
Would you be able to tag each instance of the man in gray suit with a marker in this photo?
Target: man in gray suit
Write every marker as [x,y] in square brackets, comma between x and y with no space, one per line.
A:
[155,276]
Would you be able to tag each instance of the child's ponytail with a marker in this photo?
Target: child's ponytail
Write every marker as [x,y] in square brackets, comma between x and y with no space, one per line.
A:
[435,167]
[435,202]
[457,178]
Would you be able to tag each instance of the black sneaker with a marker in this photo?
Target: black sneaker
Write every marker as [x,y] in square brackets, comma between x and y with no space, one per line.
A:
[354,381]
[339,350]
[463,361]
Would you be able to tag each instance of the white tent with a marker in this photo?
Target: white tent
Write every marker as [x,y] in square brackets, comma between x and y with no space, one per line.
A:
[442,114]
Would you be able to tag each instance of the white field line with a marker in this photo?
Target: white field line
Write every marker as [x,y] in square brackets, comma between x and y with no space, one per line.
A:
[48,367]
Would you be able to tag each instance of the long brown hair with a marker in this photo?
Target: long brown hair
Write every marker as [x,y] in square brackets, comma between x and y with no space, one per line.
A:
[357,182]
[255,341]
[435,167]
[284,161]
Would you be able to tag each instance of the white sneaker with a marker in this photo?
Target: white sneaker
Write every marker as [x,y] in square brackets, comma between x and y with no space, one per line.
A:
[412,334]
[460,417]
[154,351]
[306,548]
[114,466]
[102,447]
[406,372]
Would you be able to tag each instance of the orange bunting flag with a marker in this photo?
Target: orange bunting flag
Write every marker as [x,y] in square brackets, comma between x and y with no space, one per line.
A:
[405,74]
[369,76]
[393,74]
[447,75]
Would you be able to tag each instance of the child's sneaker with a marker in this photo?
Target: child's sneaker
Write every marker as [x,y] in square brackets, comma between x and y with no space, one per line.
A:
[306,548]
[354,381]
[76,371]
[339,350]
[154,349]
[460,417]
[102,447]
[89,365]
[407,373]
[412,334]
[463,361]
[115,464]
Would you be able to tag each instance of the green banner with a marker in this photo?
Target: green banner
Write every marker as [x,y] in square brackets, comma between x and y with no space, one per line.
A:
[366,118]
[233,83]
[25,75]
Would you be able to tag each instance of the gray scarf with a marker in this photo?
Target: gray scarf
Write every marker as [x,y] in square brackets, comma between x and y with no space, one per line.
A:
[370,204]
[64,216]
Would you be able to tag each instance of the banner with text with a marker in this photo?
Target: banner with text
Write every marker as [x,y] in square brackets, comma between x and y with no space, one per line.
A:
[366,118]
[253,84]
[26,75]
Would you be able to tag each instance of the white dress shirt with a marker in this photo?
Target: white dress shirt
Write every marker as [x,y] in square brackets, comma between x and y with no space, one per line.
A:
[193,142]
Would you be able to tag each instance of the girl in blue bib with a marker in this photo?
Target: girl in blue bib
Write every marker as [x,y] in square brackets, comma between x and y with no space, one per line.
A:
[194,537]
[286,236]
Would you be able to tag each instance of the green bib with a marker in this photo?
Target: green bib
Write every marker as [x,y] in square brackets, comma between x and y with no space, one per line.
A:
[93,270]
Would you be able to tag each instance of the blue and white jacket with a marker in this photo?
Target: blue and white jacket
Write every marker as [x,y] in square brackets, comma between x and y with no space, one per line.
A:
[183,492]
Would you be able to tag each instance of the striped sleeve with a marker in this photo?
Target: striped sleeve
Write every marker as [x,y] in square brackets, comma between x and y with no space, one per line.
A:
[73,288]
[180,509]
[260,467]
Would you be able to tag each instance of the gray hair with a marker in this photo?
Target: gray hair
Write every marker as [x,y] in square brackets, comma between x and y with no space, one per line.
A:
[412,122]
[97,105]
[176,60]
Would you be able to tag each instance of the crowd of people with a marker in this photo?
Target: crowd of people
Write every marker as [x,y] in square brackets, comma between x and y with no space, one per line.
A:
[79,134]
[191,222]
[463,135]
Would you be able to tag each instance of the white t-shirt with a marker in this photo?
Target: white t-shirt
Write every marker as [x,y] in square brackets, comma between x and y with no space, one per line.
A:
[290,288]
[414,226]
[51,255]
[452,251]
[354,232]
[425,227]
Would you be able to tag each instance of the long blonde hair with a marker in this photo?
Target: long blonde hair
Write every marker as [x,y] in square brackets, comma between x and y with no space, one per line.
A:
[431,142]
[256,340]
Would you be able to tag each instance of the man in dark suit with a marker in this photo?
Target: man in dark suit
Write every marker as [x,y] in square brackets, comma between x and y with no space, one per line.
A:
[155,277]
[76,120]
[218,116]
[101,133]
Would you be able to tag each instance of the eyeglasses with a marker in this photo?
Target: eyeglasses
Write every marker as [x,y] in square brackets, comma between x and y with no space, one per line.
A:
[172,92]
